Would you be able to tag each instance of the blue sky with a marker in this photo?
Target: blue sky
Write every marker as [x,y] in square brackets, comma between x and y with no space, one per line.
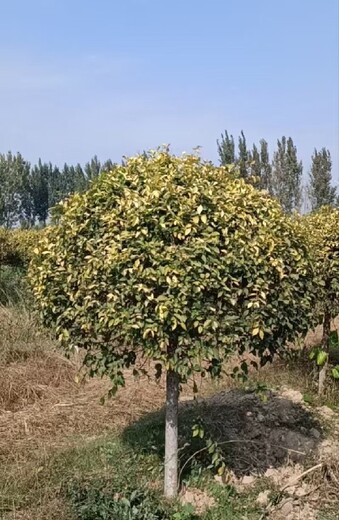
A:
[112,78]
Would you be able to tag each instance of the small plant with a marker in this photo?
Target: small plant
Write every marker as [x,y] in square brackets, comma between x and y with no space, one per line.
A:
[322,357]
[97,502]
[212,448]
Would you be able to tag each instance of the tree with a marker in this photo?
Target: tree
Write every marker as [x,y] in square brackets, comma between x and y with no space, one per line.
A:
[172,259]
[260,166]
[287,175]
[322,228]
[226,149]
[255,163]
[55,190]
[243,158]
[14,181]
[40,192]
[108,166]
[80,181]
[93,169]
[321,191]
[266,167]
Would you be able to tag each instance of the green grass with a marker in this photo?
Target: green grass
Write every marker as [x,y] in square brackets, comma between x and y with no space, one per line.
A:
[101,476]
[13,286]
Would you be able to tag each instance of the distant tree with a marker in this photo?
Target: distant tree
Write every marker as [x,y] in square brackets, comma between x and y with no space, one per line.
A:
[226,149]
[321,191]
[14,180]
[93,169]
[80,182]
[255,168]
[40,191]
[266,167]
[243,158]
[26,213]
[54,185]
[67,181]
[287,175]
[260,166]
[108,166]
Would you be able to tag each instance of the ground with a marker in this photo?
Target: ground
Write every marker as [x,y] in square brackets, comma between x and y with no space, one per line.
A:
[66,456]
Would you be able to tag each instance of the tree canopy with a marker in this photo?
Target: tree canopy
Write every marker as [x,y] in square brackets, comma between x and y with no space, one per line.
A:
[173,259]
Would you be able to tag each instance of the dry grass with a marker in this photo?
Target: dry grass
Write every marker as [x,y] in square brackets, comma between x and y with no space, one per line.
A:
[20,337]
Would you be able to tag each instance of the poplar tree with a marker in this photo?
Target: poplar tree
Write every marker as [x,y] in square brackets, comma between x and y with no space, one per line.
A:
[287,175]
[321,192]
[226,149]
[243,158]
[40,192]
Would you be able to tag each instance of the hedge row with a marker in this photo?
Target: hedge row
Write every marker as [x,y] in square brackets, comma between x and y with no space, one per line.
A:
[16,246]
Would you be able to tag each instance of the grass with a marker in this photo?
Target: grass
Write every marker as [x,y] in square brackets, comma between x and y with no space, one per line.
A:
[88,477]
[13,289]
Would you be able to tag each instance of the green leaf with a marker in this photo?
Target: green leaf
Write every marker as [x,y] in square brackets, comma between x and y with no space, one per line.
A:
[321,358]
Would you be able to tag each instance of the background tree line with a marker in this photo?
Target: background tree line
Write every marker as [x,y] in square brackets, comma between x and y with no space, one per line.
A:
[27,192]
[282,176]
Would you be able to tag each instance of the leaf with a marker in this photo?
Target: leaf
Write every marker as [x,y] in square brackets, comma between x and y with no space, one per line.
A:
[255,331]
[200,209]
[203,219]
[313,354]
[321,358]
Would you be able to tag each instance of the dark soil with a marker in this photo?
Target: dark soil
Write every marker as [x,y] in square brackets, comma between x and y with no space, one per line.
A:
[266,432]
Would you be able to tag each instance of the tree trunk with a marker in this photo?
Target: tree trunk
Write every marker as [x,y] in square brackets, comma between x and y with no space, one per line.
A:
[325,347]
[171,435]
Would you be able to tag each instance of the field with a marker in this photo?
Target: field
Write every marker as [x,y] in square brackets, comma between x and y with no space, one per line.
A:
[65,456]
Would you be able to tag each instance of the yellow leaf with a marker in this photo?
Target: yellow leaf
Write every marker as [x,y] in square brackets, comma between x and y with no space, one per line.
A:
[203,219]
[255,331]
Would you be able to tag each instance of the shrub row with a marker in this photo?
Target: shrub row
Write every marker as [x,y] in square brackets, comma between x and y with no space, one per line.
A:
[16,246]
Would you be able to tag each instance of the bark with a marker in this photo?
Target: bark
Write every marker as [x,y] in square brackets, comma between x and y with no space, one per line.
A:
[325,347]
[171,435]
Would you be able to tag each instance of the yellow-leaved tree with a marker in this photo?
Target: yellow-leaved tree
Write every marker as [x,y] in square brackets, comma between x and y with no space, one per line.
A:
[174,260]
[322,228]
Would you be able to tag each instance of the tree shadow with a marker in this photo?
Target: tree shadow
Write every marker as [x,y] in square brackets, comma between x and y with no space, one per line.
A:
[253,432]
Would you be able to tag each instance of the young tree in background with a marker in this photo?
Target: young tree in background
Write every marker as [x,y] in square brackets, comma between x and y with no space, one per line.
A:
[266,167]
[14,205]
[80,182]
[255,168]
[226,149]
[54,185]
[40,190]
[26,212]
[92,169]
[243,158]
[287,175]
[108,166]
[321,192]
[261,166]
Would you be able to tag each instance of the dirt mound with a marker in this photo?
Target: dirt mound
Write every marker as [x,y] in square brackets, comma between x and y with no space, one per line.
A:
[258,433]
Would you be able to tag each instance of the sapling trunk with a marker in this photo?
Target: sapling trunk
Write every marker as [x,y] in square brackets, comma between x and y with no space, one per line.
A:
[325,347]
[171,435]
